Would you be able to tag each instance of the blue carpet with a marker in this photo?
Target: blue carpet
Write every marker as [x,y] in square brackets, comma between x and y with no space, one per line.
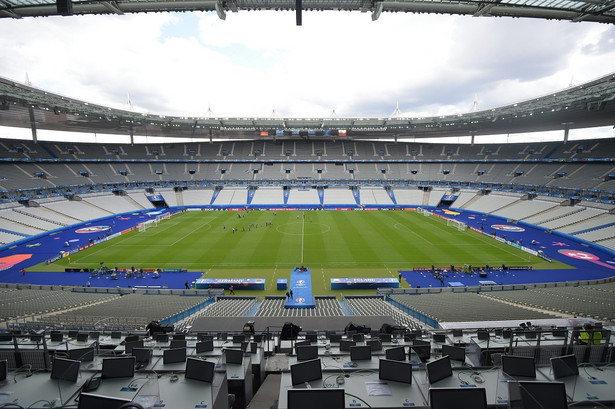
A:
[589,262]
[301,285]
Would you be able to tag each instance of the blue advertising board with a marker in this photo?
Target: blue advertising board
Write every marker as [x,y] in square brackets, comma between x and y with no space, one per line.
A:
[226,283]
[363,283]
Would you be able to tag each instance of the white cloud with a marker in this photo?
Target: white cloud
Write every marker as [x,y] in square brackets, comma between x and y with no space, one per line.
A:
[254,62]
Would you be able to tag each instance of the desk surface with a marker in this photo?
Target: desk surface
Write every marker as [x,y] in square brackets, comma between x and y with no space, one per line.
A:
[38,390]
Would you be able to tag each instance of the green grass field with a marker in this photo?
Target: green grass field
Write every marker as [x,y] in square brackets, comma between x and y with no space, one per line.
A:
[331,243]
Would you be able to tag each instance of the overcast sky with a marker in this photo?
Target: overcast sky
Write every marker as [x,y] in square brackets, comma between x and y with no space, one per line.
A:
[257,62]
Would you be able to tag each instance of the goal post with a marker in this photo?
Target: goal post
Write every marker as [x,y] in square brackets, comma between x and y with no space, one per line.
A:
[424,212]
[456,223]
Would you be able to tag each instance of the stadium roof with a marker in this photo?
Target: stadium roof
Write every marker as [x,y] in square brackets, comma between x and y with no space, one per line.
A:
[587,105]
[602,11]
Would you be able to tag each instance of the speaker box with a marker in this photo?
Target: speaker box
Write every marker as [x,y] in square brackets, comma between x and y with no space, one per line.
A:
[65,7]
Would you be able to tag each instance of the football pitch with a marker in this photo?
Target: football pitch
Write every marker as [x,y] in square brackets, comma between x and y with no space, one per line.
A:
[268,244]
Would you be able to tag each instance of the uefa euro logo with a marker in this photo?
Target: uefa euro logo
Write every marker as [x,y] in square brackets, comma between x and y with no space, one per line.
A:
[300,282]
[300,300]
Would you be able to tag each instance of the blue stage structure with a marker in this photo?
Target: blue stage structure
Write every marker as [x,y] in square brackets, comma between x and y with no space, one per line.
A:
[301,287]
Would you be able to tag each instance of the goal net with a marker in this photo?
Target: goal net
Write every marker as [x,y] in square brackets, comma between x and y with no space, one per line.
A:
[146,225]
[424,212]
[456,223]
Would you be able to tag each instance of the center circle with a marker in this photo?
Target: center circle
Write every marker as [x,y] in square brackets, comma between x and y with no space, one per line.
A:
[309,229]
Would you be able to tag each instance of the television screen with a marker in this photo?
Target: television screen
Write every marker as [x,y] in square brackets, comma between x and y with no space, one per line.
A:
[93,401]
[179,337]
[321,398]
[234,356]
[395,371]
[142,355]
[94,334]
[4,368]
[65,369]
[422,351]
[519,366]
[311,336]
[358,337]
[560,332]
[395,354]
[178,343]
[542,395]
[439,369]
[335,338]
[345,345]
[57,336]
[123,367]
[482,334]
[457,398]
[204,346]
[384,337]
[375,344]
[305,372]
[81,354]
[134,344]
[361,353]
[564,366]
[82,337]
[162,338]
[455,353]
[206,337]
[458,333]
[173,356]
[199,370]
[116,335]
[305,353]
[222,336]
[131,338]
[238,339]
[439,338]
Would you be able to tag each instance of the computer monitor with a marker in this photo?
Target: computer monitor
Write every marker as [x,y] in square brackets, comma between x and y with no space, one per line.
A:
[542,395]
[222,336]
[458,333]
[57,337]
[238,339]
[321,398]
[345,345]
[395,354]
[4,369]
[560,332]
[131,338]
[519,366]
[375,344]
[204,346]
[116,334]
[482,334]
[457,398]
[94,334]
[179,337]
[81,354]
[306,371]
[335,338]
[82,337]
[358,337]
[455,353]
[564,366]
[199,370]
[507,333]
[439,338]
[206,337]
[361,353]
[173,356]
[384,337]
[439,369]
[128,346]
[123,367]
[178,343]
[422,351]
[311,336]
[307,352]
[142,355]
[65,369]
[234,356]
[531,334]
[73,334]
[397,371]
[93,401]
[162,338]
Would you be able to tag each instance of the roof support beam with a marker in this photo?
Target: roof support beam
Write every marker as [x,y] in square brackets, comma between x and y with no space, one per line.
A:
[483,8]
[113,7]
[220,10]
[377,11]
